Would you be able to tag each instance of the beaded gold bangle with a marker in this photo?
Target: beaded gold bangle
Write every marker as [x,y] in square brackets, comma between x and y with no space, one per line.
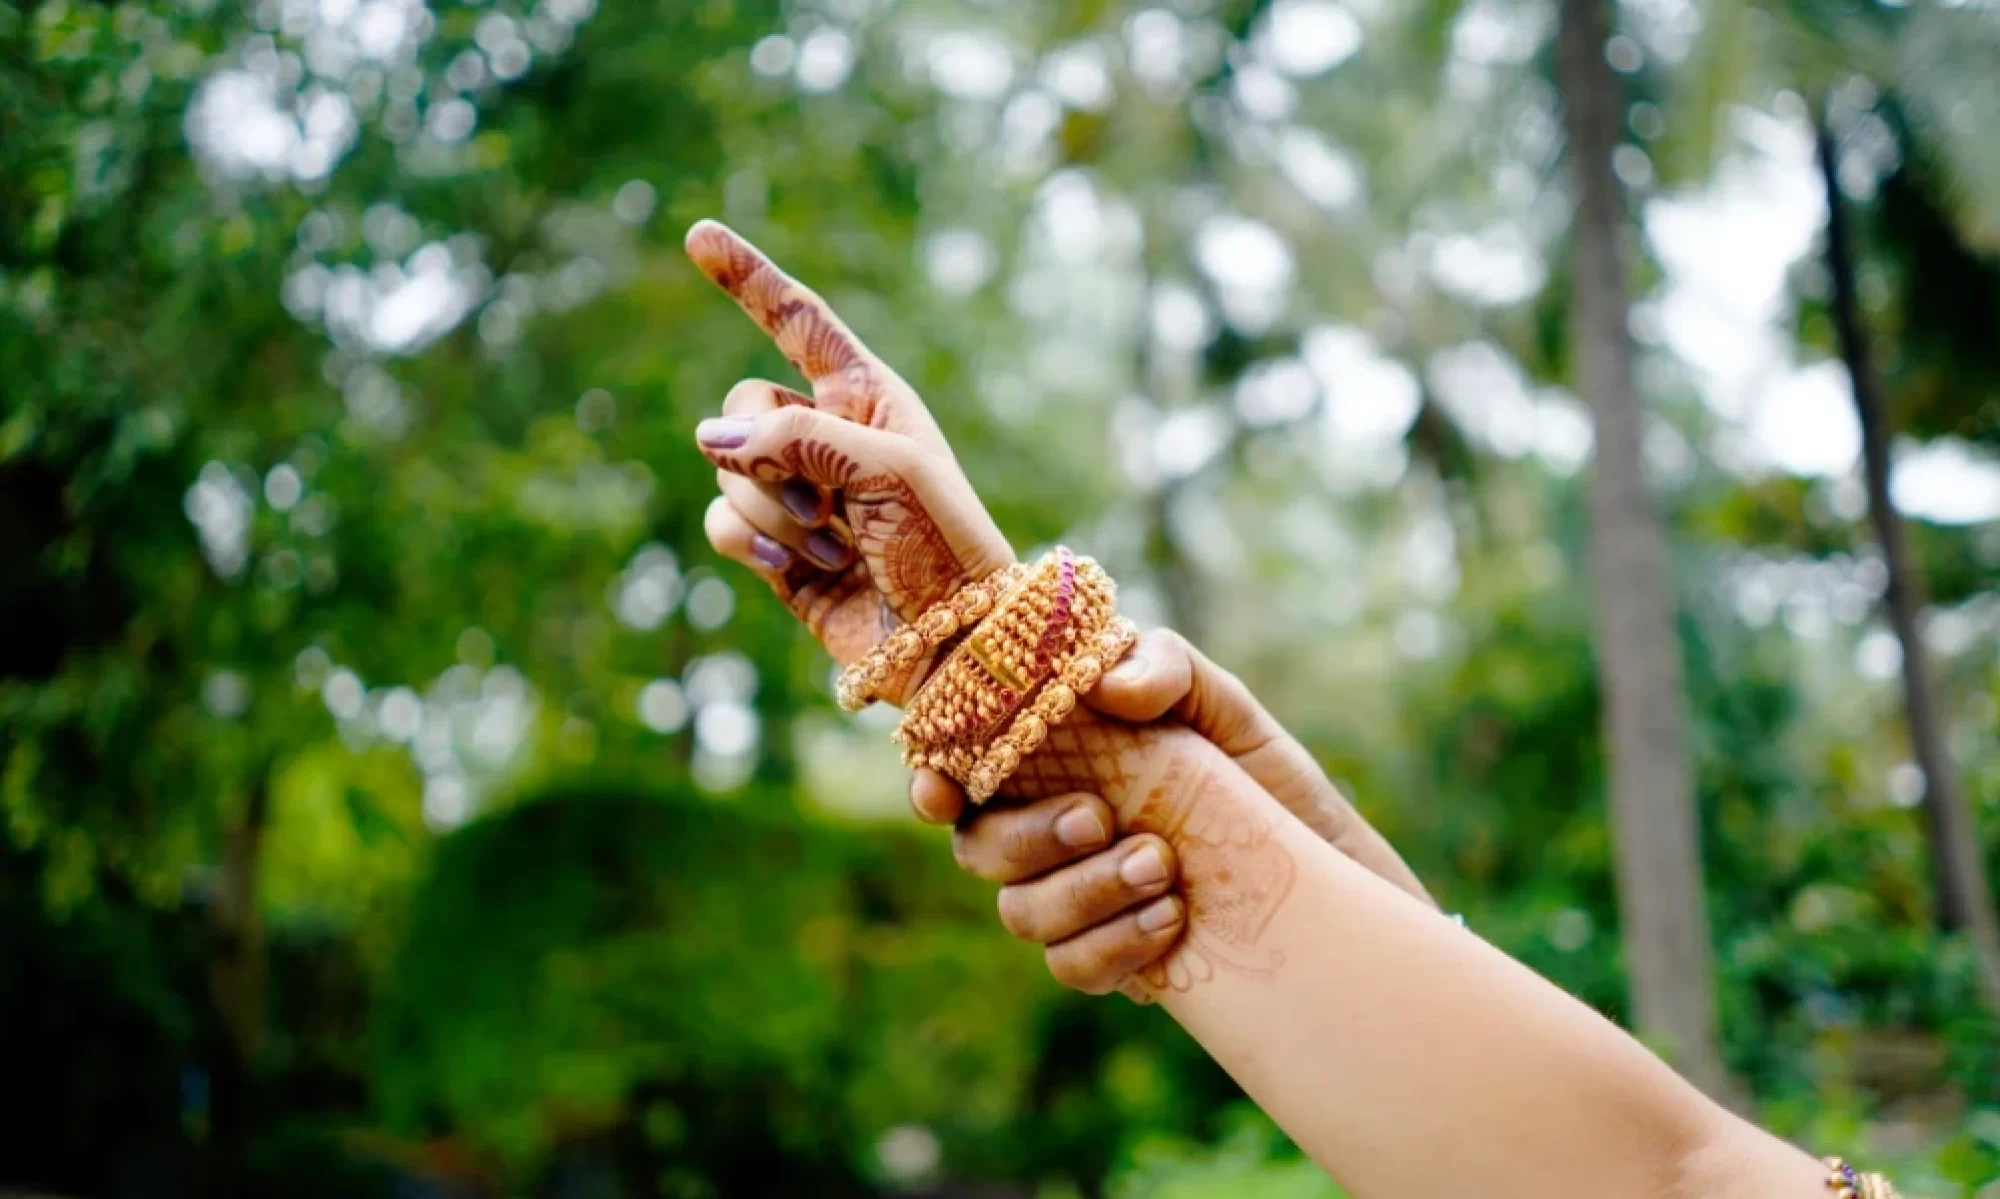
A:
[995,672]
[1056,701]
[861,683]
[1848,1183]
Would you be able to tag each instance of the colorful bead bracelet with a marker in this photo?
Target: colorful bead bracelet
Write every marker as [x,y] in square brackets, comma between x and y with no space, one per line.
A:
[1848,1183]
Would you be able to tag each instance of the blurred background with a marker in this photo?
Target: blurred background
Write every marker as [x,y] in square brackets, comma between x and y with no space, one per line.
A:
[399,798]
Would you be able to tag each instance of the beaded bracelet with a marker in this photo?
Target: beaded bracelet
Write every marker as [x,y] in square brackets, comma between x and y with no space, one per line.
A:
[995,674]
[1848,1183]
[995,671]
[1055,702]
[861,683]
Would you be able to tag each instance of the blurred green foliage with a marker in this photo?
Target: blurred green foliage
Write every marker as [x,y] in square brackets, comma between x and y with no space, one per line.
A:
[365,670]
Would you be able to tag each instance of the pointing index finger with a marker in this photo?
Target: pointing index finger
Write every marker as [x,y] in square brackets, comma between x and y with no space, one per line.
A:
[846,378]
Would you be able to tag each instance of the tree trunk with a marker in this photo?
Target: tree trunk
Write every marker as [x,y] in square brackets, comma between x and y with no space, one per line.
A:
[1655,826]
[1964,897]
[236,973]
[1180,589]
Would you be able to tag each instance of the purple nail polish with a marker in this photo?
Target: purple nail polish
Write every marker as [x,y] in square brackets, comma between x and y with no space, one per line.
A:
[723,432]
[769,552]
[826,549]
[800,498]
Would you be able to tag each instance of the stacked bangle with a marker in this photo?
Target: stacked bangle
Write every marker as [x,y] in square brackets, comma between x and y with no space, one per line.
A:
[1055,702]
[861,684]
[993,700]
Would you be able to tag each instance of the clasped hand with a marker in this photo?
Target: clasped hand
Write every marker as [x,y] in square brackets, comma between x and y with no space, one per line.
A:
[851,505]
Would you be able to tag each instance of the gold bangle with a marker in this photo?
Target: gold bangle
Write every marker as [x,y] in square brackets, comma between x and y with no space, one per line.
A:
[1020,671]
[861,683]
[1054,704]
[994,671]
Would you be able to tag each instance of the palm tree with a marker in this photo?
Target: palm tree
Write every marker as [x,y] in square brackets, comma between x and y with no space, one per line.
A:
[1937,65]
[1655,825]
[1965,897]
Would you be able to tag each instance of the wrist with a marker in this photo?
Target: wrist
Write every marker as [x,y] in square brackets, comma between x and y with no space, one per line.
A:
[1730,1159]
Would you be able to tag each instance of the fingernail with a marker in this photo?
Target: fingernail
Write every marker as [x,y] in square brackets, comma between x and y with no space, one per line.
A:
[1143,867]
[723,432]
[1079,828]
[769,552]
[826,549]
[800,498]
[1164,912]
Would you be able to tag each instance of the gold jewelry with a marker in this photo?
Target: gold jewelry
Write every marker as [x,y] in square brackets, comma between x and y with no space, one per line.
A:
[996,670]
[1055,702]
[861,683]
[990,679]
[1848,1183]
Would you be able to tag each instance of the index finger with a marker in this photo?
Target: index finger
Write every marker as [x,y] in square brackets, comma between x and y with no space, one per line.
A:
[847,379]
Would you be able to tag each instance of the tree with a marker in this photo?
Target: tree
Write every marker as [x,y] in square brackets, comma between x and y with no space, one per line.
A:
[1919,79]
[1964,893]
[1655,824]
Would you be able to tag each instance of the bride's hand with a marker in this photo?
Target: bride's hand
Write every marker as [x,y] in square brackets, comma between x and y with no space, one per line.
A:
[848,502]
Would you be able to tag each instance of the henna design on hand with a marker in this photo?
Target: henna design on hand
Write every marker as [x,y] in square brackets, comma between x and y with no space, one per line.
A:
[901,553]
[1086,753]
[843,374]
[764,468]
[905,560]
[818,462]
[839,608]
[915,566]
[1234,873]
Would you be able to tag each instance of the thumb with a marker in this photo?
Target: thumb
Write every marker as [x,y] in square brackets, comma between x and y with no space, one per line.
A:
[1167,674]
[800,442]
[1148,682]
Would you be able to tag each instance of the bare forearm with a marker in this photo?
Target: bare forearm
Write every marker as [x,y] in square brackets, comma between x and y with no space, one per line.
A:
[1403,1054]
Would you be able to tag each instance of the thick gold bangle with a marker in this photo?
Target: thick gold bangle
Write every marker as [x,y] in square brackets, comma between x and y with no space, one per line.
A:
[1054,703]
[993,675]
[861,683]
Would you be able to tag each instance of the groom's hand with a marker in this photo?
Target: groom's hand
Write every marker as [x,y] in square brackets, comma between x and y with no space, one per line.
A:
[1100,907]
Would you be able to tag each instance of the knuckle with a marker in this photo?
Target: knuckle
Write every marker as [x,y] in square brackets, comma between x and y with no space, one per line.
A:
[1343,824]
[721,524]
[747,396]
[1082,888]
[735,488]
[1065,969]
[1020,844]
[791,423]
